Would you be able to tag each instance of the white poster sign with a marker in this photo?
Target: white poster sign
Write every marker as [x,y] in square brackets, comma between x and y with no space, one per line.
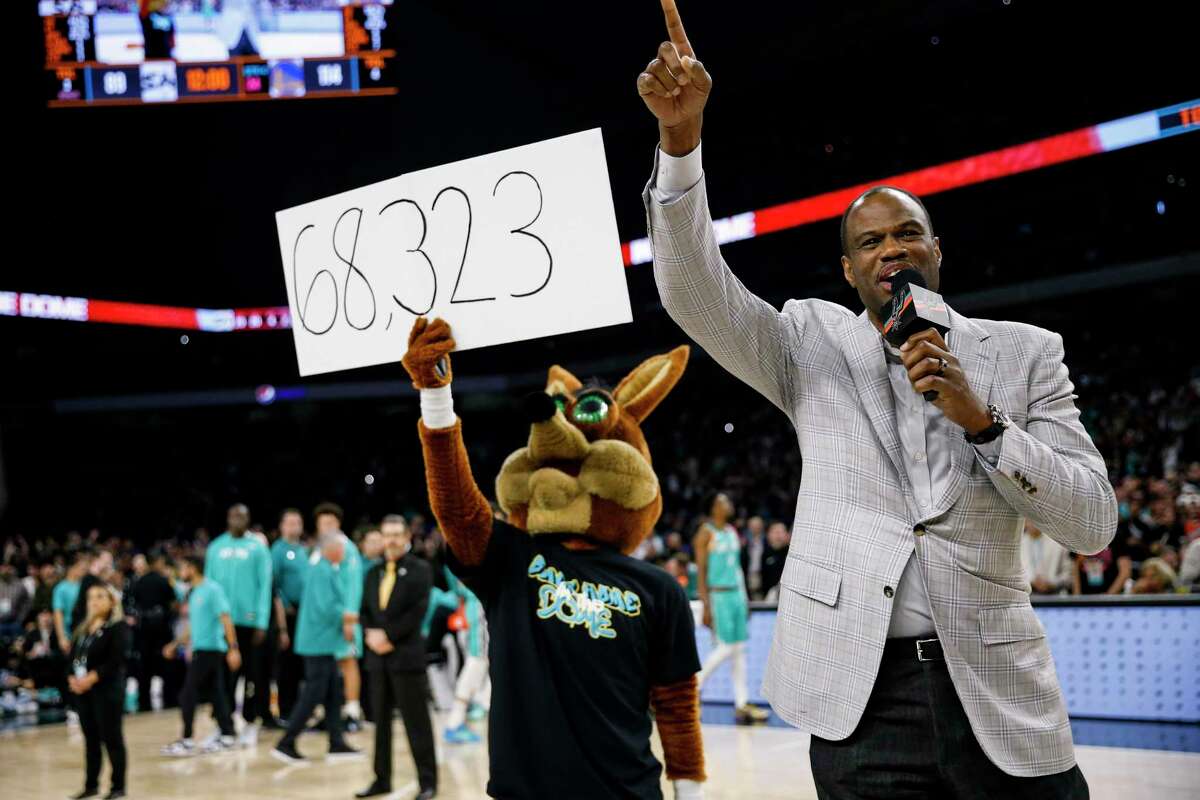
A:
[505,247]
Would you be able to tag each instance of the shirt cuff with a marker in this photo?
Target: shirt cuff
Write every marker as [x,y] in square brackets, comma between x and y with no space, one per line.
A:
[676,175]
[989,453]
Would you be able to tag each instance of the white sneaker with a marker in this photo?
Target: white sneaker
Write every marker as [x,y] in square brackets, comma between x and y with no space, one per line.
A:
[218,744]
[249,737]
[180,749]
[73,718]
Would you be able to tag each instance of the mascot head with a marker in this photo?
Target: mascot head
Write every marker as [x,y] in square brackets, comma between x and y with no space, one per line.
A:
[587,469]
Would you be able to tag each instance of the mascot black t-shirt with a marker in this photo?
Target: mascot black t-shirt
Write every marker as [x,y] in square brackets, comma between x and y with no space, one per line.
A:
[577,638]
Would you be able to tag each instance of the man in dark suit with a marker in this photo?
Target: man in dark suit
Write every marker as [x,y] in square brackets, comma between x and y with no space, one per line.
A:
[395,596]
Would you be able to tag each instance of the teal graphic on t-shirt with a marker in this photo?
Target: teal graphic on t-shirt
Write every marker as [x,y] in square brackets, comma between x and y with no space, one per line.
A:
[574,603]
[242,566]
[206,603]
[64,597]
[289,565]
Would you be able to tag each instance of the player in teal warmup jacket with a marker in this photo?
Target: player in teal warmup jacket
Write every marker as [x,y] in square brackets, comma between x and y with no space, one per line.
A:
[474,673]
[319,637]
[241,565]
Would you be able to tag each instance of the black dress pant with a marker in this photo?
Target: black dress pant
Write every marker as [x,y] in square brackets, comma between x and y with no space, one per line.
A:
[150,642]
[100,712]
[251,671]
[322,687]
[915,741]
[289,670]
[408,691]
[206,673]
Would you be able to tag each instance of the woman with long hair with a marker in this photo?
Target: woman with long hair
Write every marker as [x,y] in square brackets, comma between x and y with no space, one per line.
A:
[726,604]
[97,680]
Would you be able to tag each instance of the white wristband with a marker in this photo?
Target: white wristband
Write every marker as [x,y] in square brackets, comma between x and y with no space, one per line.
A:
[437,408]
[688,790]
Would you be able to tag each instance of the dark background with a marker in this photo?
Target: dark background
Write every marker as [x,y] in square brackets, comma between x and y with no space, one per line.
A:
[175,205]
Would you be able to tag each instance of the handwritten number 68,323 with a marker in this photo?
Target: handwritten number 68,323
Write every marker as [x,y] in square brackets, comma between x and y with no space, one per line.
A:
[320,327]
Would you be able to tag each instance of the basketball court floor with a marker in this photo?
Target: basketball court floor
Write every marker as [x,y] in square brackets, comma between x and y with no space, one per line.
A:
[764,763]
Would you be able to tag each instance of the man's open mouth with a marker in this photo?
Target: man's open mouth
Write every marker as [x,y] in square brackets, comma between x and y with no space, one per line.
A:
[885,277]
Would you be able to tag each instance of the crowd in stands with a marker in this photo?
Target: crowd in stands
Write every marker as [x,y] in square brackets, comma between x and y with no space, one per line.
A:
[1149,442]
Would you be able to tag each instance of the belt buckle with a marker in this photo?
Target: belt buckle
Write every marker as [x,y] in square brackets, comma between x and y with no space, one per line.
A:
[921,650]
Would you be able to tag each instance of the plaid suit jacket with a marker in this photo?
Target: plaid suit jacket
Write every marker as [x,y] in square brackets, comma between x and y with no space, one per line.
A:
[856,524]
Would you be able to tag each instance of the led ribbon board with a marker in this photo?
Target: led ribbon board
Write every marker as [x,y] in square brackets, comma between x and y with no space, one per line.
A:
[1150,126]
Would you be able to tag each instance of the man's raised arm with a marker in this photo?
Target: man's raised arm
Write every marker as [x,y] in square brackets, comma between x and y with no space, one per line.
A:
[745,334]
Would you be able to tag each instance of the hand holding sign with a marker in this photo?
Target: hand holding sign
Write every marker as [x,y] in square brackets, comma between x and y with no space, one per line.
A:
[505,247]
[675,87]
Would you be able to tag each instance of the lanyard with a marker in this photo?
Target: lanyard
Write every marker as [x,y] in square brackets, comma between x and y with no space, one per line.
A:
[81,660]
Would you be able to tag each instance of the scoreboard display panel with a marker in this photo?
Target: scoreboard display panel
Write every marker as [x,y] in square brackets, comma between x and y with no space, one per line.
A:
[119,52]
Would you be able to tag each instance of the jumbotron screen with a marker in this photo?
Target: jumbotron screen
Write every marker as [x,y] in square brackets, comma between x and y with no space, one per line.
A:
[125,52]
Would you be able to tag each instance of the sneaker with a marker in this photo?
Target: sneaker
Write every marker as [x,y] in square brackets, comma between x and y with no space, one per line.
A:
[477,713]
[115,794]
[343,752]
[249,737]
[288,754]
[352,725]
[181,748]
[750,715]
[462,735]
[218,744]
[85,794]
[72,718]
[211,741]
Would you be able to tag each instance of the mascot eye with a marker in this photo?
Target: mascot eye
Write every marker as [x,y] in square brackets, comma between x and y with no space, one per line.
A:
[591,409]
[560,401]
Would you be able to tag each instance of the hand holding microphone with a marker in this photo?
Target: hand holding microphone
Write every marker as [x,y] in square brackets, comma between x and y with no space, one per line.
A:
[915,320]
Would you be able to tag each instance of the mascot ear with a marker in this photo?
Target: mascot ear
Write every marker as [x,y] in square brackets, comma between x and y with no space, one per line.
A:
[559,381]
[643,389]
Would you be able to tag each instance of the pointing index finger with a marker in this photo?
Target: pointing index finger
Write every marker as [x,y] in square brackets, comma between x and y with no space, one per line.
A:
[675,29]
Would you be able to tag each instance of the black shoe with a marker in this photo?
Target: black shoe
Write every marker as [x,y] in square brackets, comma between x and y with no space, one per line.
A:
[115,794]
[343,752]
[273,724]
[374,790]
[86,793]
[287,753]
[426,794]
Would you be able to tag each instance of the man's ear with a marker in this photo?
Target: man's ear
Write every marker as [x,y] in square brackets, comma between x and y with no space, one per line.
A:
[847,272]
[559,381]
[937,250]
[642,390]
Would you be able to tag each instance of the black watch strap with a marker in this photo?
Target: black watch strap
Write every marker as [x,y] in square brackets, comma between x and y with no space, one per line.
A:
[991,432]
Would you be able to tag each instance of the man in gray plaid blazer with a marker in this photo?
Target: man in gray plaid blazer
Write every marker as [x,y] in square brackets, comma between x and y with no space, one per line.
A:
[905,641]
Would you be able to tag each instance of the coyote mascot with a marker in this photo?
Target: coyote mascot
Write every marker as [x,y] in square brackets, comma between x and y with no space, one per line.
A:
[585,641]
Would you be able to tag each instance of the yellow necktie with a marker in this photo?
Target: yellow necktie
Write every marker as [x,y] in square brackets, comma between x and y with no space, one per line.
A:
[386,584]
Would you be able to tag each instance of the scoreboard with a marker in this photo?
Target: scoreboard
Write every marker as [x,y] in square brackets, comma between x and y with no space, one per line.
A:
[103,52]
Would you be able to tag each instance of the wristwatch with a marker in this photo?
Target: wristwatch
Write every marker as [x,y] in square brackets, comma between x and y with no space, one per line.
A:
[1000,422]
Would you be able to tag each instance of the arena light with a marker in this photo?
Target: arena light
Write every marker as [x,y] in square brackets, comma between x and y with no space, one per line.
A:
[1103,138]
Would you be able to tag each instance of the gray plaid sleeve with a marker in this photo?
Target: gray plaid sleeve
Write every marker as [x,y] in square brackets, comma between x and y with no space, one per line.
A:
[742,332]
[1051,472]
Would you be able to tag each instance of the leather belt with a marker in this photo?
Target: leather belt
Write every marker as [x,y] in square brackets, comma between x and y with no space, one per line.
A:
[906,648]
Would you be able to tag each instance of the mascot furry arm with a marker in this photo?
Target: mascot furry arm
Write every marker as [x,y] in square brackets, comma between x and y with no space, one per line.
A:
[465,516]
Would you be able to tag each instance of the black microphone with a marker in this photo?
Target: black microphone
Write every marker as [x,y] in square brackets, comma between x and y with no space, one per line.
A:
[913,308]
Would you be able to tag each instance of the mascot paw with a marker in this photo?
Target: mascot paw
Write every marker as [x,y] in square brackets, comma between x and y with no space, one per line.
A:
[428,358]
